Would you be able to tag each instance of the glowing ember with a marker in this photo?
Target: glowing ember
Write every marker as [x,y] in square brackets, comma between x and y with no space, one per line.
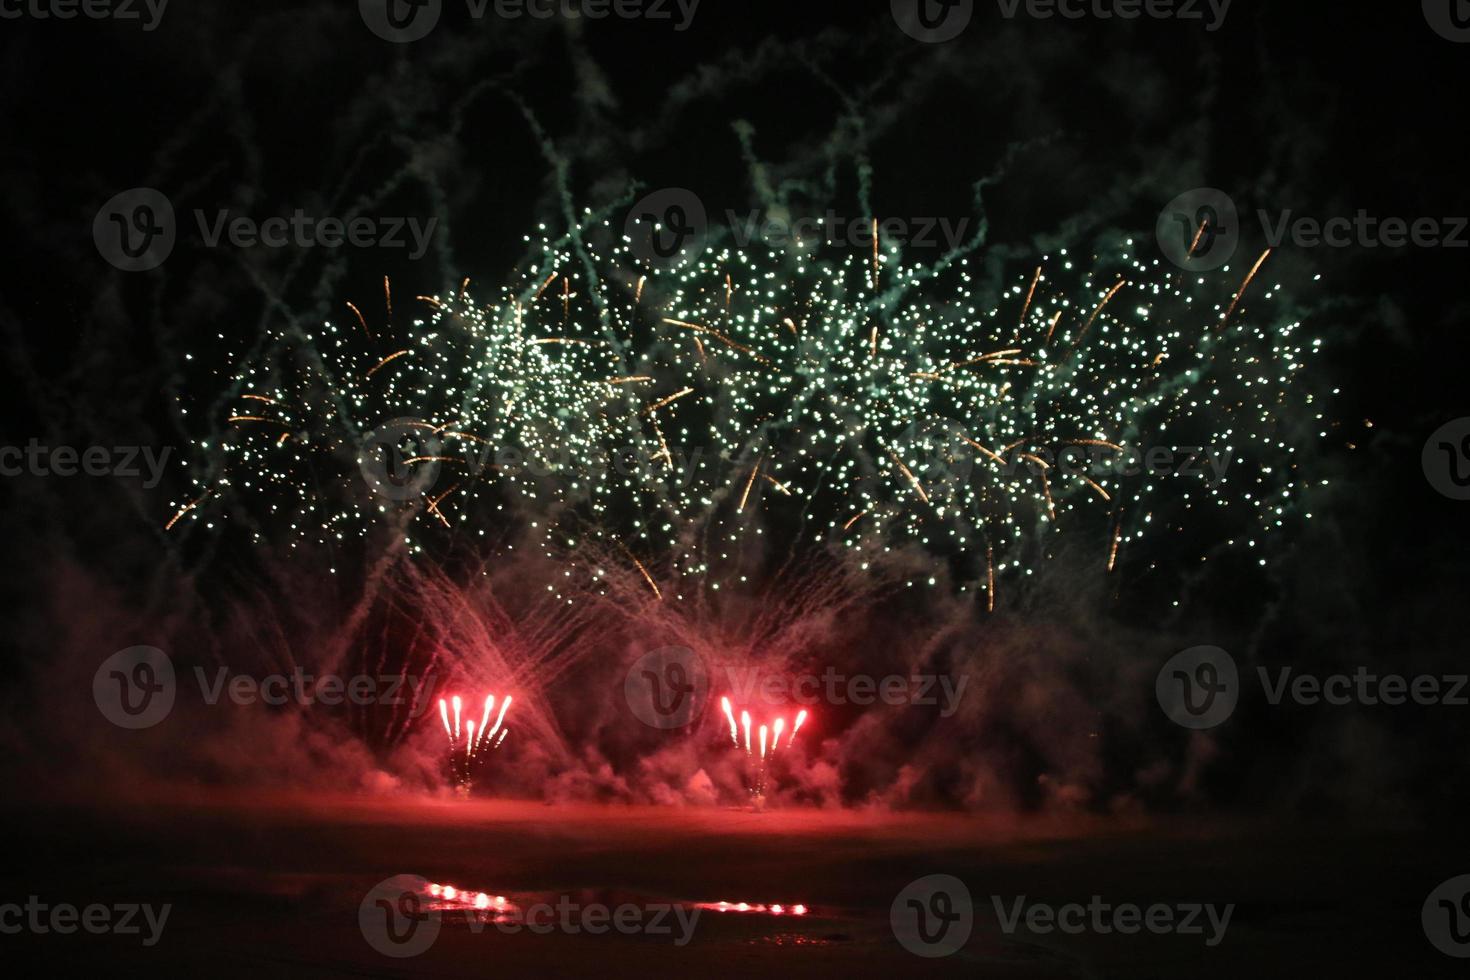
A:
[478,740]
[763,749]
[752,908]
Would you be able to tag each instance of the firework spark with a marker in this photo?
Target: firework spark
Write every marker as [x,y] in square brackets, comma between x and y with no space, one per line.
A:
[468,750]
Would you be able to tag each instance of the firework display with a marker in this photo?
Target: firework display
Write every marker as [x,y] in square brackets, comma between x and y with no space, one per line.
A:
[469,742]
[760,752]
[674,415]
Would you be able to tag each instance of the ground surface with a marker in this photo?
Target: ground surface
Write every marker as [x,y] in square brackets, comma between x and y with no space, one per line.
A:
[271,886]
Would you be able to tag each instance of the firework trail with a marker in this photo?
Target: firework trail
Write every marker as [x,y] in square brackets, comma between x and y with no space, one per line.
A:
[760,753]
[470,743]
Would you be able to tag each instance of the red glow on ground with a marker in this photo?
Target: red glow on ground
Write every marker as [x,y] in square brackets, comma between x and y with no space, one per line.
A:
[756,908]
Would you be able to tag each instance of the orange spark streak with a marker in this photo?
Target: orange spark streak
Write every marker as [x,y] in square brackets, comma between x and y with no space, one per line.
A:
[1100,491]
[185,509]
[360,320]
[1053,328]
[544,285]
[698,328]
[989,578]
[261,398]
[776,483]
[1117,538]
[254,418]
[1111,293]
[643,571]
[1243,287]
[987,452]
[875,257]
[910,474]
[381,364]
[1197,236]
[433,507]
[854,519]
[1026,308]
[665,401]
[629,379]
[388,298]
[663,446]
[749,483]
